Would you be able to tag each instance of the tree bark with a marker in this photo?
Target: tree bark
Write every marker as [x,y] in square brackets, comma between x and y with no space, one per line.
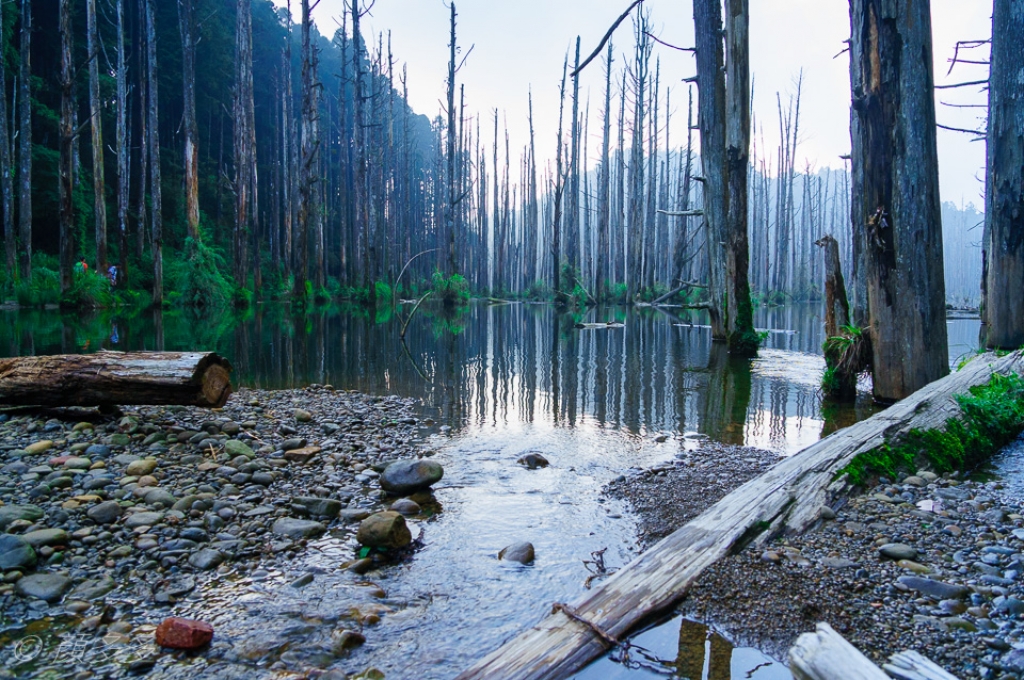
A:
[6,180]
[25,141]
[116,379]
[122,150]
[187,27]
[896,212]
[1003,285]
[96,125]
[153,142]
[67,140]
[245,139]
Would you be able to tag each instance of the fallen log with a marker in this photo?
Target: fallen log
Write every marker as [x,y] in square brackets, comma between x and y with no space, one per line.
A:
[116,379]
[826,655]
[787,498]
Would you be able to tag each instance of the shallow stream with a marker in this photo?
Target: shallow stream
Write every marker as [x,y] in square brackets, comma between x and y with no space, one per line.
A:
[499,382]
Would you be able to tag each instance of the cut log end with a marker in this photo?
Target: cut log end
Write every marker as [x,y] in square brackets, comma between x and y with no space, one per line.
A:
[216,383]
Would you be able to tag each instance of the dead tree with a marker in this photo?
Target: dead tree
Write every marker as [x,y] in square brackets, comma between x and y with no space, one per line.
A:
[308,162]
[895,211]
[723,81]
[121,141]
[604,184]
[245,139]
[6,180]
[450,151]
[153,142]
[1003,285]
[556,222]
[187,27]
[67,141]
[25,141]
[96,125]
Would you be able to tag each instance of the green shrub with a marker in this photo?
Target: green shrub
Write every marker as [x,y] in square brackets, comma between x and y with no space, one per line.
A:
[452,289]
[89,290]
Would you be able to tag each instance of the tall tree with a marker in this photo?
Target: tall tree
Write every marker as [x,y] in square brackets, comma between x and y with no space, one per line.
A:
[153,142]
[895,210]
[187,27]
[723,81]
[245,138]
[121,140]
[25,141]
[604,184]
[67,141]
[308,163]
[1003,284]
[96,125]
[450,150]
[6,179]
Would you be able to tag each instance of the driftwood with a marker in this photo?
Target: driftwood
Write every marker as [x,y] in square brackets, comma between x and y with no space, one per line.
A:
[825,655]
[787,498]
[116,379]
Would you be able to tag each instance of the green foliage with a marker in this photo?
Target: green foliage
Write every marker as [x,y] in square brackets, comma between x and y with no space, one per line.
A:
[242,297]
[203,284]
[991,416]
[452,290]
[846,356]
[89,290]
[384,292]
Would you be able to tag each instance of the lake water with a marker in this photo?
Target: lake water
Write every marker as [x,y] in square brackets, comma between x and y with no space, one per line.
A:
[501,381]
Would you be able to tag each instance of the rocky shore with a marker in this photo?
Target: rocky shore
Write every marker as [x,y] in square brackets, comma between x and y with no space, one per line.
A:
[110,524]
[925,563]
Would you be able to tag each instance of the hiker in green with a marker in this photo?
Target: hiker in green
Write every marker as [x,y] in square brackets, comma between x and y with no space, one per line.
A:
[81,267]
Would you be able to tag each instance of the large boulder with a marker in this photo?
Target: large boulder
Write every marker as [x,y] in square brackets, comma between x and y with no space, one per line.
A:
[523,553]
[297,528]
[177,633]
[12,513]
[408,476]
[385,530]
[49,587]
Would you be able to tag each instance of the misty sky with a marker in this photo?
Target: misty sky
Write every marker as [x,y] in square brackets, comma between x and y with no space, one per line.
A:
[522,43]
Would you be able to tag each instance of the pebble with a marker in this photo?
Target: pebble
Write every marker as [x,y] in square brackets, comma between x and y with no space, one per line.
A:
[518,552]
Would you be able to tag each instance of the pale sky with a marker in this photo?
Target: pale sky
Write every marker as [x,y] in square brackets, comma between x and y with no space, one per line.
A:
[521,43]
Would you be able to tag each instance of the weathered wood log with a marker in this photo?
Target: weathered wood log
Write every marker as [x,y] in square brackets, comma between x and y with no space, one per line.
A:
[116,379]
[913,666]
[787,498]
[825,655]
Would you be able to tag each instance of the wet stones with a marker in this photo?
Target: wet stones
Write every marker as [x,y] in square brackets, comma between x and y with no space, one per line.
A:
[327,508]
[12,513]
[207,558]
[898,551]
[408,476]
[106,512]
[937,590]
[407,507]
[533,461]
[49,587]
[297,528]
[302,455]
[234,447]
[142,467]
[42,537]
[523,553]
[188,634]
[385,530]
[16,553]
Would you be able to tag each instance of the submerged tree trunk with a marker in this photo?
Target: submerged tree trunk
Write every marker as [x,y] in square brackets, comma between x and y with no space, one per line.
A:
[122,150]
[67,141]
[1003,284]
[724,121]
[895,211]
[96,125]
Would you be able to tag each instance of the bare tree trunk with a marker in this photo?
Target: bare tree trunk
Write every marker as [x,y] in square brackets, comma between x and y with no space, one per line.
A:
[724,120]
[556,223]
[25,141]
[450,150]
[634,231]
[287,157]
[308,162]
[187,26]
[896,212]
[67,140]
[1003,285]
[245,139]
[96,124]
[533,228]
[121,135]
[6,180]
[155,178]
[572,225]
[604,184]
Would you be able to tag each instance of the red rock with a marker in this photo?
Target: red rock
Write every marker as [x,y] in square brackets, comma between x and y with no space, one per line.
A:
[59,460]
[179,633]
